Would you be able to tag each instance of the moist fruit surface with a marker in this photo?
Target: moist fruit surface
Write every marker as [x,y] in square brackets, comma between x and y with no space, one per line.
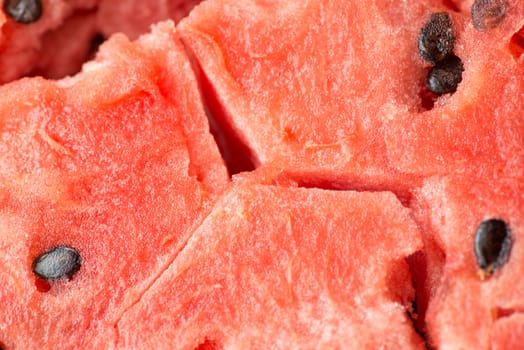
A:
[376,161]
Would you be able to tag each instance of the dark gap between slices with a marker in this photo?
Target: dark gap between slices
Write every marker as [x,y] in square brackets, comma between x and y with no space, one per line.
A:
[450,4]
[418,270]
[237,155]
[403,195]
[87,53]
[208,344]
[501,312]
[516,43]
[395,283]
[421,281]
[97,40]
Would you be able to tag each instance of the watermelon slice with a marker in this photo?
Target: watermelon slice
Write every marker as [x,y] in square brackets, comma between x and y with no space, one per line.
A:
[21,43]
[340,86]
[55,40]
[134,17]
[286,268]
[369,196]
[66,48]
[117,163]
[468,310]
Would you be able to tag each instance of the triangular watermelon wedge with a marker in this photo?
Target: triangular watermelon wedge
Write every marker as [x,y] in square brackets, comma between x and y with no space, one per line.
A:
[116,162]
[286,268]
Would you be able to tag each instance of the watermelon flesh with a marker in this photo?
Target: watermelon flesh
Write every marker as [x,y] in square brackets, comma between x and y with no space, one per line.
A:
[61,40]
[135,17]
[343,86]
[358,166]
[286,267]
[465,310]
[116,162]
[21,44]
[66,48]
[340,96]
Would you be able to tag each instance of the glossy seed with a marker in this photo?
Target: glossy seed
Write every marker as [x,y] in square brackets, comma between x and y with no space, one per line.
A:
[492,245]
[445,76]
[436,39]
[59,262]
[23,11]
[487,14]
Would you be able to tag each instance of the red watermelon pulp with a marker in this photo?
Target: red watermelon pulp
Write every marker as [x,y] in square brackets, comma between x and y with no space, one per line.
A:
[363,206]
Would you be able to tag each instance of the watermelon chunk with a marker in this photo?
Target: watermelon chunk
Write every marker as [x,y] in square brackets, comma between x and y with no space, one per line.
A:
[340,86]
[368,185]
[59,40]
[116,162]
[465,310]
[508,332]
[286,268]
[134,17]
[64,49]
[21,44]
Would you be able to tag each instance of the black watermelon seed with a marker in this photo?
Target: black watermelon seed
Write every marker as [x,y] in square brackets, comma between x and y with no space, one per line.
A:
[59,262]
[487,14]
[492,245]
[436,39]
[23,11]
[445,76]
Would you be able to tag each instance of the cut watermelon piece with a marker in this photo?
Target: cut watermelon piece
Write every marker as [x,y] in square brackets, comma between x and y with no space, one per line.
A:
[116,162]
[286,268]
[134,17]
[465,310]
[508,333]
[337,85]
[66,48]
[59,40]
[21,44]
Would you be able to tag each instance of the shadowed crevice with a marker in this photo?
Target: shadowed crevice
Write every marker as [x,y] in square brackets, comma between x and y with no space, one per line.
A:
[516,44]
[209,344]
[352,182]
[451,5]
[237,155]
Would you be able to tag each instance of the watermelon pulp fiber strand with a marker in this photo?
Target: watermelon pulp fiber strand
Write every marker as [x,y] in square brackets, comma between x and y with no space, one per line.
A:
[229,265]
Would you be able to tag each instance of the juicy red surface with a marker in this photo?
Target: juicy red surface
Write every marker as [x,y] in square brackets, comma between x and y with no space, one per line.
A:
[317,95]
[276,266]
[58,43]
[116,162]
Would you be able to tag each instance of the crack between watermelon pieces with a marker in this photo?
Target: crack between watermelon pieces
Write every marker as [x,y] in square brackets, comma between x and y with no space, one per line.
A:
[236,154]
[402,197]
[416,261]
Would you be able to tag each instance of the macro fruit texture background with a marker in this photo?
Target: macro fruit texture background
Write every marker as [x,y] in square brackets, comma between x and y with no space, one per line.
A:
[357,192]
[64,33]
[116,162]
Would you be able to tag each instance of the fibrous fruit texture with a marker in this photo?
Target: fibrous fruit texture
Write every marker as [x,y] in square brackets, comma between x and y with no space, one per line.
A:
[375,156]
